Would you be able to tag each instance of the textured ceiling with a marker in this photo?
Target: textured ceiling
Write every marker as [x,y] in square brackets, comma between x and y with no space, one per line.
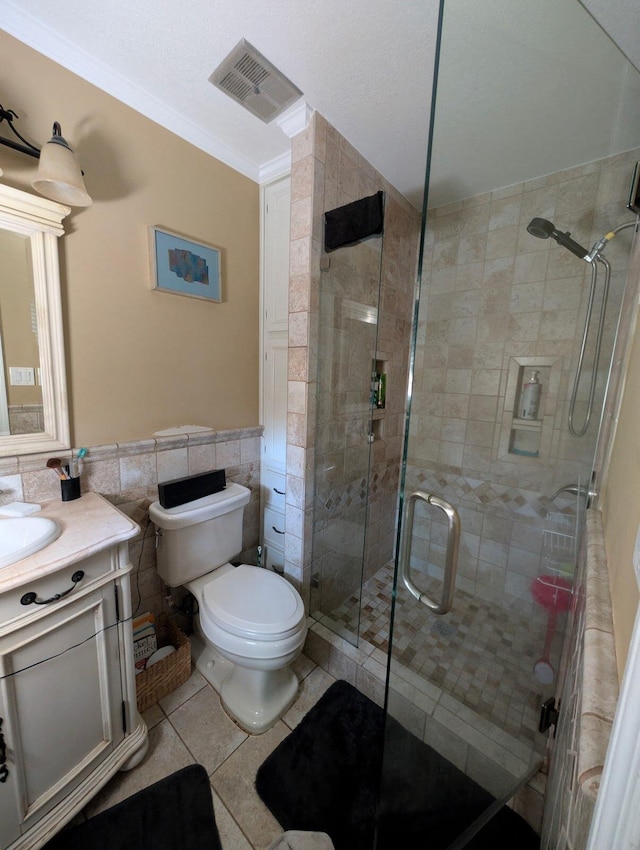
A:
[364,64]
[621,19]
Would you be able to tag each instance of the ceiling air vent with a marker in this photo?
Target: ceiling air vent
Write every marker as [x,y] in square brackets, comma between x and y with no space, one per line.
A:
[247,77]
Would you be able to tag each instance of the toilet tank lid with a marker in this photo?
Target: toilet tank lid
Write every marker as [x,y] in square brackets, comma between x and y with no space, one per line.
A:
[209,507]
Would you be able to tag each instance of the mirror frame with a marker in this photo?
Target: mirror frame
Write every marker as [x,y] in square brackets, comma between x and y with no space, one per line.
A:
[40,220]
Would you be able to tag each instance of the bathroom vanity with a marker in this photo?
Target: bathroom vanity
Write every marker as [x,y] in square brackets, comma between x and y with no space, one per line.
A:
[68,718]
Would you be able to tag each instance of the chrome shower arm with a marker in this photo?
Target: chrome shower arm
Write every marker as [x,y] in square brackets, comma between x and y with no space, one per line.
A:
[575,490]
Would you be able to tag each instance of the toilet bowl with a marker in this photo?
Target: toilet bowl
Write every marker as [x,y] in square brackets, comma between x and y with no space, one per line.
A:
[251,622]
[252,626]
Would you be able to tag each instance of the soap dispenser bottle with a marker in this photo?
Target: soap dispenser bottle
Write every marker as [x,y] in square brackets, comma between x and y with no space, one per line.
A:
[530,402]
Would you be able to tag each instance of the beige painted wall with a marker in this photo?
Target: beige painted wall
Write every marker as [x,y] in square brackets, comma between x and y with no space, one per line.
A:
[139,361]
[620,504]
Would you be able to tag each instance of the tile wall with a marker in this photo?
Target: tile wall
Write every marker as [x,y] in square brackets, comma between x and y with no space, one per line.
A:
[328,172]
[349,292]
[496,298]
[26,418]
[127,474]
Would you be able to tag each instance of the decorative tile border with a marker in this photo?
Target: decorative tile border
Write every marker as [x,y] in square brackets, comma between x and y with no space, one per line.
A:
[501,498]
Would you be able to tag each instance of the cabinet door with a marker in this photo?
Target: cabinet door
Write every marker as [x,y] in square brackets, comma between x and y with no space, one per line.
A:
[9,819]
[277,212]
[274,402]
[61,690]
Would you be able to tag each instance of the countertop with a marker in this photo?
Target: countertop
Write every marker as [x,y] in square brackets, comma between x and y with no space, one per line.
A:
[88,524]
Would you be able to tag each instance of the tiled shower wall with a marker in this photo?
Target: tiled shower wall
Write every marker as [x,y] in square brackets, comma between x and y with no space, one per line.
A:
[328,172]
[349,290]
[496,296]
[127,474]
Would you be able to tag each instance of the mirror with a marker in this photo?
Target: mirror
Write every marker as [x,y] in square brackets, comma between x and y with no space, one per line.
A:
[33,394]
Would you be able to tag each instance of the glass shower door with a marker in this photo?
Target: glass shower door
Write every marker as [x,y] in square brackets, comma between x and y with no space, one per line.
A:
[347,395]
[467,680]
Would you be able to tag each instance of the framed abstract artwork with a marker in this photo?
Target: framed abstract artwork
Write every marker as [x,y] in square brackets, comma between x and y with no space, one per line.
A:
[184,267]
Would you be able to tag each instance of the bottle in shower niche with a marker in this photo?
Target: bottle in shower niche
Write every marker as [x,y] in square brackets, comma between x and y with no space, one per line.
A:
[375,387]
[530,398]
[381,396]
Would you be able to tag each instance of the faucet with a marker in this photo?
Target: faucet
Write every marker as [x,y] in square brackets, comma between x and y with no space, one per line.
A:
[575,490]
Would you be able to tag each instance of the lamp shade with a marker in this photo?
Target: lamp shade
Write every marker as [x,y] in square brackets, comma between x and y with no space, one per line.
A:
[59,177]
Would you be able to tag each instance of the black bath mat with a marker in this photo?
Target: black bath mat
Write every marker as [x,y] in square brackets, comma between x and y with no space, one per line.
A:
[324,776]
[173,814]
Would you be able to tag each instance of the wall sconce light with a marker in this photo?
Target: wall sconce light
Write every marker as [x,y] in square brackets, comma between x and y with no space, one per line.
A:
[59,176]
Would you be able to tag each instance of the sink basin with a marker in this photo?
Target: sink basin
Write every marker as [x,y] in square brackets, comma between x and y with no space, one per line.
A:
[23,536]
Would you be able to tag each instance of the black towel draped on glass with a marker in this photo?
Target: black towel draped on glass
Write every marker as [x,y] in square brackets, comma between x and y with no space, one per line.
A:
[353,222]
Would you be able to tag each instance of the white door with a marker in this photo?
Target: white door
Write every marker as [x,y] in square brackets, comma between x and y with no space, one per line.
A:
[275,352]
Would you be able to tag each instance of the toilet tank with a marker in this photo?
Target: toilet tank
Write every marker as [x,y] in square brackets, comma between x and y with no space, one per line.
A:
[199,536]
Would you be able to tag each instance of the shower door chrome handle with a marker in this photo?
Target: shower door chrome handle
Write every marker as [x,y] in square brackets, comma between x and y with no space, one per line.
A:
[451,560]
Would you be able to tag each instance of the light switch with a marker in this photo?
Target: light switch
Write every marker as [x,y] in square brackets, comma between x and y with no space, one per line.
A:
[22,376]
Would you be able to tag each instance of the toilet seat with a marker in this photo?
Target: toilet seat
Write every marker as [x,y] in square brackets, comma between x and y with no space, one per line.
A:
[253,603]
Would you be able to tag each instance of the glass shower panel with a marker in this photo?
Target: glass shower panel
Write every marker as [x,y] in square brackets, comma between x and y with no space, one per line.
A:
[347,423]
[497,304]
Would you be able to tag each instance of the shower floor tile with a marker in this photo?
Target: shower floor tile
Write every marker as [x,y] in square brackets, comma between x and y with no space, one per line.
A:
[481,653]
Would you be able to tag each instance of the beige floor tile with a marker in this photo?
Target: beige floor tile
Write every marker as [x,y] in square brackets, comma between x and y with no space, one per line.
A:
[166,754]
[234,784]
[231,836]
[206,729]
[174,700]
[311,689]
[152,716]
[302,666]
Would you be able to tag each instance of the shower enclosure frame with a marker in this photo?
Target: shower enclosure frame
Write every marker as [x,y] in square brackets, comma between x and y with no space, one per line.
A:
[585,487]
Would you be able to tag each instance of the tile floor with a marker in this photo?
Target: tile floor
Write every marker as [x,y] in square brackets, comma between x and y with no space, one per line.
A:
[190,726]
[481,654]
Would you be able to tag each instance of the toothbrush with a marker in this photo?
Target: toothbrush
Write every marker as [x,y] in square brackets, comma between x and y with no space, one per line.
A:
[81,453]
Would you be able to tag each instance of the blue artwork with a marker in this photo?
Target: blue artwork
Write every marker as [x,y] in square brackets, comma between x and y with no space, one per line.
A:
[185,267]
[188,266]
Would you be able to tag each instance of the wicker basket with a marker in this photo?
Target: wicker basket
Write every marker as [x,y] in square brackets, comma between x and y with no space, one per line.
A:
[168,673]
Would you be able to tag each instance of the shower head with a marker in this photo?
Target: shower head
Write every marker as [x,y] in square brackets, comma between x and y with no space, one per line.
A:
[540,228]
[543,229]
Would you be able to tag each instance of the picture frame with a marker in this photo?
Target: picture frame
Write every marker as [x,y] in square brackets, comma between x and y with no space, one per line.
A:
[184,266]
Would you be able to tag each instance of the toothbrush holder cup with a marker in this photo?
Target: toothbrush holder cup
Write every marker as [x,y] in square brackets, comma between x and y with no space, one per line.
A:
[70,489]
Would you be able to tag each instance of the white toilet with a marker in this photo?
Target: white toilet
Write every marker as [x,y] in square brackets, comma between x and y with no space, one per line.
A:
[250,624]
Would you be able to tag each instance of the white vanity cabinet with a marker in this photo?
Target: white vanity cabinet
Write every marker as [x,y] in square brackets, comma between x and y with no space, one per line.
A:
[67,688]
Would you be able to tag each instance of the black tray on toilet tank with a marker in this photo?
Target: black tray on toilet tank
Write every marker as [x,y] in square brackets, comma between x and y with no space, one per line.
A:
[192,487]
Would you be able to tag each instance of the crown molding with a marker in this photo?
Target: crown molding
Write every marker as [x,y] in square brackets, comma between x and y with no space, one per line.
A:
[296,119]
[275,168]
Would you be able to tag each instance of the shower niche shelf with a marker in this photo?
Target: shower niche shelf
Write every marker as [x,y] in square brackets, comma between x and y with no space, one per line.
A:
[529,439]
[377,425]
[379,369]
[525,437]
